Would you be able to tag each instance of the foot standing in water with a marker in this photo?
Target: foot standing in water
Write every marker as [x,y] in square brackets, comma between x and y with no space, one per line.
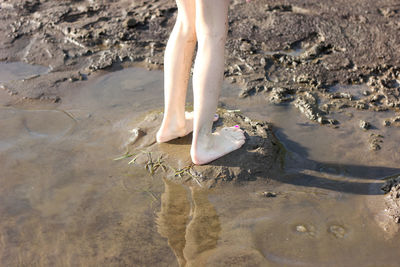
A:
[204,22]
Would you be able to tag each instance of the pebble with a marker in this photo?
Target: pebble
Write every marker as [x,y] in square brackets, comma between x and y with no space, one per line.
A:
[337,231]
[301,228]
[365,125]
[386,123]
[269,194]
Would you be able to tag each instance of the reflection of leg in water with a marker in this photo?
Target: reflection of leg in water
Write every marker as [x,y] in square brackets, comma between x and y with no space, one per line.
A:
[188,241]
[203,230]
[173,217]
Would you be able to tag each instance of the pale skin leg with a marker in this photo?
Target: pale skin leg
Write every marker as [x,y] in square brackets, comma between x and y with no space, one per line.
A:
[177,63]
[210,26]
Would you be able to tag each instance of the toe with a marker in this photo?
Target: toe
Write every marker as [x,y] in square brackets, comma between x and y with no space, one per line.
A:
[216,117]
[231,129]
[234,134]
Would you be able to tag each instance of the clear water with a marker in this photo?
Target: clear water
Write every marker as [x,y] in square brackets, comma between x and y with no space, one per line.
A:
[65,201]
[20,70]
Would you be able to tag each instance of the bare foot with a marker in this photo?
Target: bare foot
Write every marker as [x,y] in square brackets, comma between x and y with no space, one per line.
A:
[217,144]
[172,129]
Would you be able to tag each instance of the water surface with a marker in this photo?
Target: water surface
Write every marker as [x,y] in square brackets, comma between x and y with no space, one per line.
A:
[19,70]
[64,201]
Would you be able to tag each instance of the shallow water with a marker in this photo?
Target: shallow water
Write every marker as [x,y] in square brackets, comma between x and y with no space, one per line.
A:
[19,70]
[65,202]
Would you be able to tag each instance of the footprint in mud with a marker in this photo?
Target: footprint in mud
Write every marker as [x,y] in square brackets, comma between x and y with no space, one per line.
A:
[337,231]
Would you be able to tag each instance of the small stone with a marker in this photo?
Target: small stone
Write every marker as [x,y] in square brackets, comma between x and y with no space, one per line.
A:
[130,23]
[269,194]
[361,105]
[245,47]
[376,98]
[374,147]
[366,93]
[332,121]
[337,231]
[301,228]
[365,125]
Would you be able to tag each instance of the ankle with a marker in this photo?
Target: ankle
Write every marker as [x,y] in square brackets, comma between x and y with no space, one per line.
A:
[201,142]
[173,122]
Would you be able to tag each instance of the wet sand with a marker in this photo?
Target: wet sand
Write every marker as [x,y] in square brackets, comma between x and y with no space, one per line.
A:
[66,201]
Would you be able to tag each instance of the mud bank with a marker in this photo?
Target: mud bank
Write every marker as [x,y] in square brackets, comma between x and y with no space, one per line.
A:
[261,156]
[392,199]
[325,58]
[301,46]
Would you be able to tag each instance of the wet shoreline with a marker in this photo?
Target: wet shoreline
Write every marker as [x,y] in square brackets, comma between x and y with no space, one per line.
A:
[77,189]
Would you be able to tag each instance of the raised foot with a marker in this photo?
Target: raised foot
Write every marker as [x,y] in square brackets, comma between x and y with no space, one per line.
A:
[217,145]
[171,129]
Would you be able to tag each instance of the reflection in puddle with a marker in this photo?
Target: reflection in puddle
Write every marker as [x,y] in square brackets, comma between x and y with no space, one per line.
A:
[19,70]
[173,218]
[188,240]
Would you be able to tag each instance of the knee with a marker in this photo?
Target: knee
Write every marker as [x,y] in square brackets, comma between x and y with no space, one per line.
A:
[211,33]
[186,29]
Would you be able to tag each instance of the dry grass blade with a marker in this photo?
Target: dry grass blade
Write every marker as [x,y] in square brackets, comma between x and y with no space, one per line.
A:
[133,160]
[126,155]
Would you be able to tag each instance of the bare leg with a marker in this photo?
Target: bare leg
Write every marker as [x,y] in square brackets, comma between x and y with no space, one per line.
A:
[211,30]
[177,62]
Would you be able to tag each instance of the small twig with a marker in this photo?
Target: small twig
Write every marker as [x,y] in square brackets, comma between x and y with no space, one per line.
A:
[133,160]
[126,155]
[68,114]
[186,170]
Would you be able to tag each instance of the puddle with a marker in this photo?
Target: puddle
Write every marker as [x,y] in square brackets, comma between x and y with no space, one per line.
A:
[295,52]
[19,70]
[356,91]
[19,126]
[65,201]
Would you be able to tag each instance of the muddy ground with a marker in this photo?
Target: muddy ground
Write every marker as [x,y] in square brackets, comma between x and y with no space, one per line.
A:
[261,156]
[295,51]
